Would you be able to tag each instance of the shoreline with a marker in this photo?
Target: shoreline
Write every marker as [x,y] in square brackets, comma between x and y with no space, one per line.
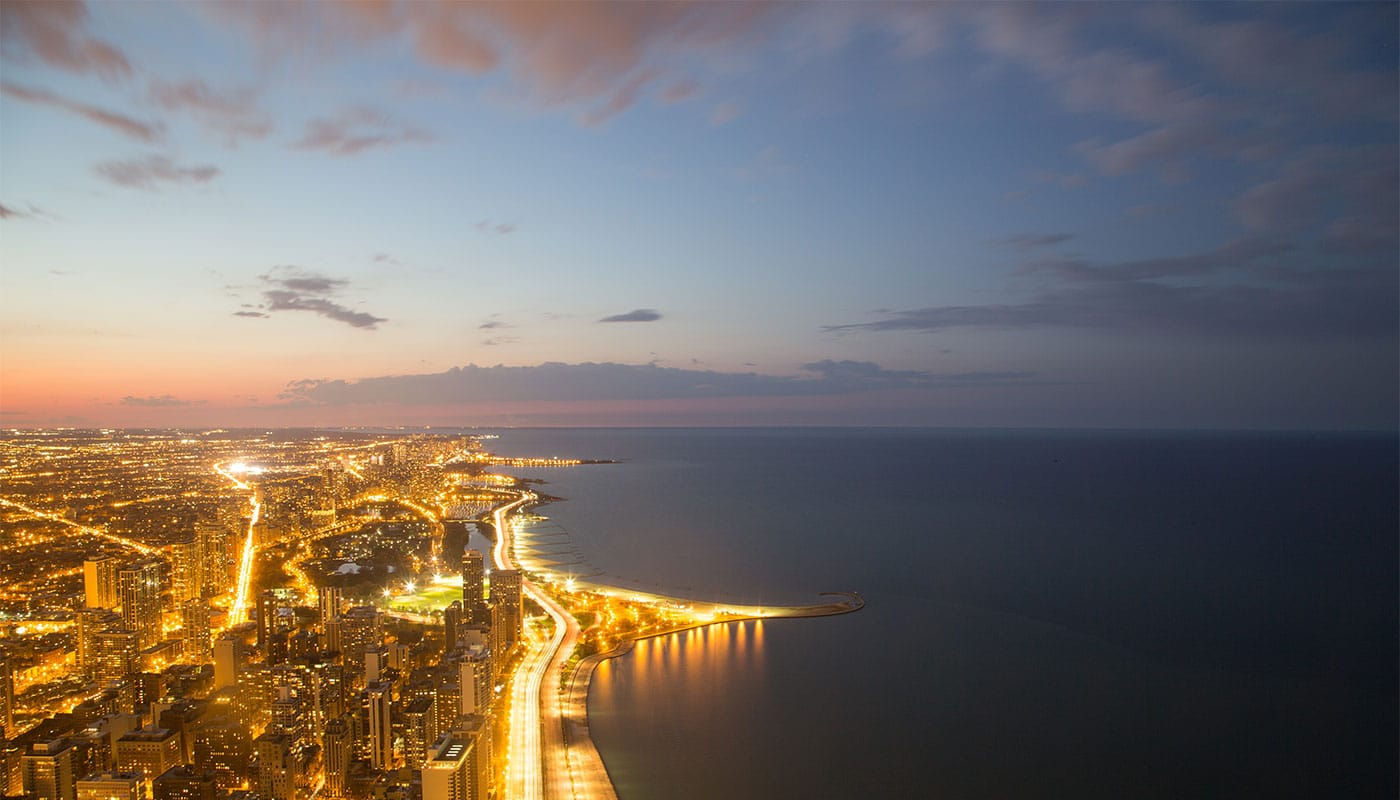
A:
[586,769]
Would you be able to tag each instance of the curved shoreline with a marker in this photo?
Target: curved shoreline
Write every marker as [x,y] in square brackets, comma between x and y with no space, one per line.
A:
[586,771]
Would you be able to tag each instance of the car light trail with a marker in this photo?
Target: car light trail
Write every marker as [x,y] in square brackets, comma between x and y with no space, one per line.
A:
[245,563]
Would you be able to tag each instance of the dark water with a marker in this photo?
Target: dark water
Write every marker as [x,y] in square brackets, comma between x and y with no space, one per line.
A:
[1050,614]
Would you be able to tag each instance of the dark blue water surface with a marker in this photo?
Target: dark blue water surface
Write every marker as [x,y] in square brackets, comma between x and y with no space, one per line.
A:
[1050,614]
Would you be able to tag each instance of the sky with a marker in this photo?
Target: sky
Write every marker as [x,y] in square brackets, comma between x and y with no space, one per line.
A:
[386,213]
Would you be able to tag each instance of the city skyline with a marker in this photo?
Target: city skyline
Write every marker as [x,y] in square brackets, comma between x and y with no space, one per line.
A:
[716,214]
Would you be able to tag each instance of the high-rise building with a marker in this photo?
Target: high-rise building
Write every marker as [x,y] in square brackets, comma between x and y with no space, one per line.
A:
[379,700]
[380,706]
[186,570]
[222,746]
[335,756]
[92,621]
[505,594]
[376,661]
[139,585]
[328,599]
[419,731]
[214,539]
[184,783]
[228,660]
[149,751]
[459,767]
[49,770]
[359,631]
[194,619]
[475,676]
[111,786]
[276,767]
[274,616]
[506,619]
[7,697]
[116,654]
[476,729]
[289,716]
[100,582]
[451,624]
[447,774]
[473,594]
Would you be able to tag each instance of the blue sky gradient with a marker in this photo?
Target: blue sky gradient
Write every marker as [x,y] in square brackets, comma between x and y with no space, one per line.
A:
[1108,215]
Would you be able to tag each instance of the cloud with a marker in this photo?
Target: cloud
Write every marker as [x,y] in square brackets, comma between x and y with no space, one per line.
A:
[233,114]
[356,130]
[1027,241]
[149,172]
[1253,288]
[161,401]
[637,315]
[723,114]
[596,58]
[681,90]
[1349,192]
[611,381]
[54,32]
[501,228]
[291,289]
[250,314]
[6,212]
[127,126]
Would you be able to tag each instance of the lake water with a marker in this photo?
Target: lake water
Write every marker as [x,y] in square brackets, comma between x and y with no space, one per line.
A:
[1050,614]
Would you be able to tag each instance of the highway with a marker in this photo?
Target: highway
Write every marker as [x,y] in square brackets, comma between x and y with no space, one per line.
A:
[539,762]
[245,562]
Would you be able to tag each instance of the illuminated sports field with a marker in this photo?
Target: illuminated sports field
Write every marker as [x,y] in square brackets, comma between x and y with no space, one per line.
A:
[435,595]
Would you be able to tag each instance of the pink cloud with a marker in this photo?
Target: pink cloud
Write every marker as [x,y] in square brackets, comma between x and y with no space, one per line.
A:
[602,57]
[146,132]
[54,32]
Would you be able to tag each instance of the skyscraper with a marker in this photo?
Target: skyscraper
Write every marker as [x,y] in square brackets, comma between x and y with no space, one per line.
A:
[328,598]
[276,767]
[419,731]
[186,570]
[116,654]
[214,540]
[335,756]
[100,582]
[473,596]
[7,697]
[359,631]
[49,770]
[505,607]
[451,623]
[222,746]
[228,661]
[474,672]
[379,698]
[273,616]
[91,622]
[140,587]
[447,774]
[194,619]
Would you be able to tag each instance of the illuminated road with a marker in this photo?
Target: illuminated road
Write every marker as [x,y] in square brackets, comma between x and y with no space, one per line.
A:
[539,760]
[88,529]
[245,563]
